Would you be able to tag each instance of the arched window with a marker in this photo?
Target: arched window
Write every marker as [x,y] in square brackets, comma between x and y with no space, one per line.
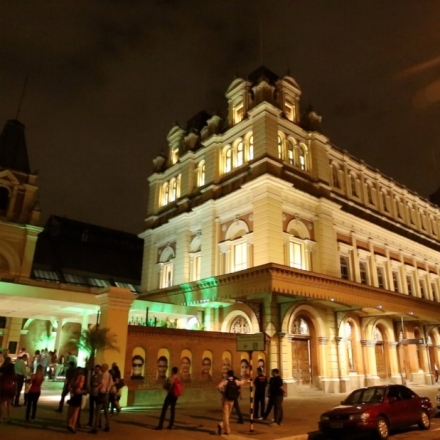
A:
[353,184]
[348,330]
[301,158]
[165,199]
[173,190]
[251,148]
[296,254]
[385,199]
[240,154]
[290,152]
[240,325]
[300,327]
[228,159]
[201,173]
[335,176]
[280,147]
[370,193]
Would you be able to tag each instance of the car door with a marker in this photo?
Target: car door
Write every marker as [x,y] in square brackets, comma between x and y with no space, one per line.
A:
[412,406]
[395,409]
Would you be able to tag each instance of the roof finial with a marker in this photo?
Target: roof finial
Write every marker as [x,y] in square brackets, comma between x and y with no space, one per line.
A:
[22,96]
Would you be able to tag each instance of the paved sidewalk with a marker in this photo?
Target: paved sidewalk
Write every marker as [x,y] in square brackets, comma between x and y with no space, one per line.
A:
[193,422]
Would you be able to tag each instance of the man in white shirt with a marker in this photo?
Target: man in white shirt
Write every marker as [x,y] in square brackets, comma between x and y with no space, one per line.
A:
[20,372]
[102,399]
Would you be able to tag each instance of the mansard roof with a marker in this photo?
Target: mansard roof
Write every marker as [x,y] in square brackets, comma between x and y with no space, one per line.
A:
[13,151]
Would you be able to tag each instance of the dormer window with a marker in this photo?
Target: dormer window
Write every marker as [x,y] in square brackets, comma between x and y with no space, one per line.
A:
[174,155]
[289,111]
[238,113]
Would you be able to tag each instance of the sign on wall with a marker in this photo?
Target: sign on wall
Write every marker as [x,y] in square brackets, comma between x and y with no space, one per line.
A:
[252,342]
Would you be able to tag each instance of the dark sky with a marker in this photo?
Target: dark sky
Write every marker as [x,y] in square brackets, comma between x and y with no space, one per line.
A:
[108,79]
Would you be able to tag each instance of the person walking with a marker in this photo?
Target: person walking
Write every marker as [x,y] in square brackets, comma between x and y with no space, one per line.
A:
[36,361]
[102,400]
[34,394]
[260,384]
[276,395]
[173,386]
[70,374]
[95,382]
[114,401]
[76,393]
[230,390]
[7,387]
[20,373]
[237,402]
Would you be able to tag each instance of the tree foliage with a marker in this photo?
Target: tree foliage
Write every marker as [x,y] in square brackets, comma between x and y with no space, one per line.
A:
[95,339]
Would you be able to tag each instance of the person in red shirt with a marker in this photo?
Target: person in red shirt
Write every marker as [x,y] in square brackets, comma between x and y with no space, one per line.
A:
[34,394]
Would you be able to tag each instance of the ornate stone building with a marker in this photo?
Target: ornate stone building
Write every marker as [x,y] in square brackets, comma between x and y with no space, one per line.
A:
[260,224]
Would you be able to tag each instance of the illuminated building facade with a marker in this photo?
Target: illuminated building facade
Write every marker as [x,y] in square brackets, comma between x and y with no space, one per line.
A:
[262,225]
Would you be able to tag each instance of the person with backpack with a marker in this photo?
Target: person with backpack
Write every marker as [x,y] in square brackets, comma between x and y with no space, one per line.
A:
[260,384]
[173,386]
[230,389]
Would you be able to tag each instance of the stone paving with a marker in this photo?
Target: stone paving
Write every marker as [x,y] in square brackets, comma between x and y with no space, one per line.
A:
[301,415]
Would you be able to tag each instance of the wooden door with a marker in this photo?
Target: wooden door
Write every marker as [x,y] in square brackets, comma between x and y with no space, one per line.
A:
[381,361]
[301,364]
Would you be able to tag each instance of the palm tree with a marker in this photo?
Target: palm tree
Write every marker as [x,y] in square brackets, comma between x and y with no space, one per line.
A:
[94,339]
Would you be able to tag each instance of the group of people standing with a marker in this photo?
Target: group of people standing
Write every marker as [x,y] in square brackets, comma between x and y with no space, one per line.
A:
[230,389]
[101,386]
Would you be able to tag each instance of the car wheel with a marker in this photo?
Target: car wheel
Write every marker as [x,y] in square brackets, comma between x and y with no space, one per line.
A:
[425,421]
[382,428]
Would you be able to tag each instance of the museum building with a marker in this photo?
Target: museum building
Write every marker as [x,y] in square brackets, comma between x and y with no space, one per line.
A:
[263,225]
[255,223]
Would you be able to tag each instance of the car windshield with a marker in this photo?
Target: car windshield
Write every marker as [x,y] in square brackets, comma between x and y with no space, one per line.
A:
[367,395]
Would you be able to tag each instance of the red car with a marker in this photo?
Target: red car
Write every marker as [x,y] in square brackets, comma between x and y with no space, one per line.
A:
[377,410]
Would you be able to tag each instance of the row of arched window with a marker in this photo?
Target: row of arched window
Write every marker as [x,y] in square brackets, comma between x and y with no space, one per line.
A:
[170,190]
[367,191]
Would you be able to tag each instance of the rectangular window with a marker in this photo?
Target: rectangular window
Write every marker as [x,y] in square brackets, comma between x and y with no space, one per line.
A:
[289,111]
[240,257]
[409,284]
[240,154]
[396,281]
[422,289]
[295,255]
[345,273]
[381,278]
[363,271]
[238,114]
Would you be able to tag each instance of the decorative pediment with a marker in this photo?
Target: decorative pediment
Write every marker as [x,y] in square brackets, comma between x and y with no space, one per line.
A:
[7,176]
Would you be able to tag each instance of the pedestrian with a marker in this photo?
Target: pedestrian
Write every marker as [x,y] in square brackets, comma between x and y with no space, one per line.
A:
[34,394]
[237,402]
[76,393]
[173,386]
[7,387]
[260,384]
[95,381]
[230,390]
[114,401]
[102,400]
[436,371]
[36,361]
[70,373]
[276,395]
[45,361]
[20,372]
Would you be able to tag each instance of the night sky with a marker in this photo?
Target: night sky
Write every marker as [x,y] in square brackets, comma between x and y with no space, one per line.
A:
[108,79]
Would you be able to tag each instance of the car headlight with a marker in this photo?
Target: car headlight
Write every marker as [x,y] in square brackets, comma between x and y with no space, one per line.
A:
[362,416]
[324,418]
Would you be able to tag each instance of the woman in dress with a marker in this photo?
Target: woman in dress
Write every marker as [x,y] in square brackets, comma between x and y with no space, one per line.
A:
[34,394]
[76,393]
[7,388]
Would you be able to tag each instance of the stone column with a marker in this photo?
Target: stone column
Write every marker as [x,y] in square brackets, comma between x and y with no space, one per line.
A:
[82,355]
[342,364]
[394,363]
[325,362]
[115,307]
[59,332]
[371,377]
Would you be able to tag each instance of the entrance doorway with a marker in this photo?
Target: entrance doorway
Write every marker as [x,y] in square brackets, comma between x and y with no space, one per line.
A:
[301,365]
[381,364]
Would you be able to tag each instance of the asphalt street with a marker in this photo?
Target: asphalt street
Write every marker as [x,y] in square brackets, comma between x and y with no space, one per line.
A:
[301,415]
